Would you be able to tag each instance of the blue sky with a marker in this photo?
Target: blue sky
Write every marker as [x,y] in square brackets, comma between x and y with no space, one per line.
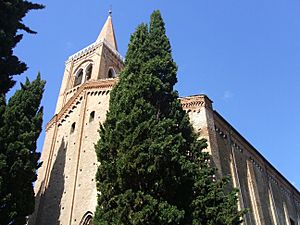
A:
[245,55]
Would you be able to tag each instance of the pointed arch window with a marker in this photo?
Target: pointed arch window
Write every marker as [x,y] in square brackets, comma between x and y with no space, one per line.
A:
[78,77]
[111,73]
[88,72]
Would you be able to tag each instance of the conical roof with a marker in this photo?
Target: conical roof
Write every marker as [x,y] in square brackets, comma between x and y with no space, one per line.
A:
[107,33]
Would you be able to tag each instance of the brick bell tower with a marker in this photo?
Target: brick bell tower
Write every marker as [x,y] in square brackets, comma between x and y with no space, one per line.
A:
[66,188]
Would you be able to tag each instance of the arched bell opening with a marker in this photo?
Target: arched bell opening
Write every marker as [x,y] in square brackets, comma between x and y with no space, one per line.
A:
[88,72]
[78,77]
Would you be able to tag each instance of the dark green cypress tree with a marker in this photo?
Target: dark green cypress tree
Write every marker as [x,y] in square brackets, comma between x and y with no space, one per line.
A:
[2,155]
[22,124]
[12,13]
[212,202]
[153,170]
[20,120]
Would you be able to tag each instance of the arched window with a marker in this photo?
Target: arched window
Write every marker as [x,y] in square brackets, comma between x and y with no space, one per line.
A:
[73,128]
[88,72]
[111,73]
[92,116]
[87,219]
[78,77]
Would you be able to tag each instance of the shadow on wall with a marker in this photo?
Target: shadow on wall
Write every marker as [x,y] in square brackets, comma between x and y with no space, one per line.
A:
[50,201]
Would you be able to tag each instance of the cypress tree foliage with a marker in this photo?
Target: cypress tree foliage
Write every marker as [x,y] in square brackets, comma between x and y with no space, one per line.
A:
[20,119]
[153,169]
[11,15]
[2,156]
[21,126]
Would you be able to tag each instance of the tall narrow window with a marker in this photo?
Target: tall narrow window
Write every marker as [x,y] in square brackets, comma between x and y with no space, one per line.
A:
[78,77]
[111,73]
[88,72]
[73,128]
[92,116]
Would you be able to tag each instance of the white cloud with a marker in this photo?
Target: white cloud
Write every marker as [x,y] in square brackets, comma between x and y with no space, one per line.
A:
[227,95]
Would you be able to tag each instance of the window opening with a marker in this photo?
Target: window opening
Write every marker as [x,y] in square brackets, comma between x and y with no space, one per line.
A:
[87,219]
[73,128]
[292,221]
[111,73]
[89,72]
[92,116]
[78,78]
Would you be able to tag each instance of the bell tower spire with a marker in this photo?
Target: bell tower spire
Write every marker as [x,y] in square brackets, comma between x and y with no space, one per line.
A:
[96,62]
[107,33]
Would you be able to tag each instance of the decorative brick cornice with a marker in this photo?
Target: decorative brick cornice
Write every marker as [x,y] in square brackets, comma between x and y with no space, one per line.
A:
[99,84]
[92,48]
[190,103]
[195,102]
[87,50]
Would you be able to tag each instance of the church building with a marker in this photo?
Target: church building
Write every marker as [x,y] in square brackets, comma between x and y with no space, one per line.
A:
[66,191]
